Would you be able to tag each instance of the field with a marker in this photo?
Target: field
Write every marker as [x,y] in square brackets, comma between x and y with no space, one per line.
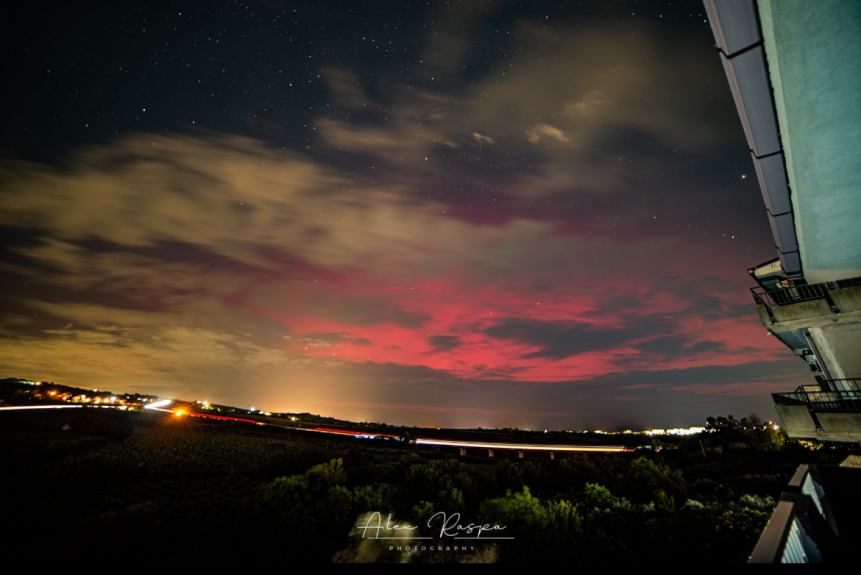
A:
[119,486]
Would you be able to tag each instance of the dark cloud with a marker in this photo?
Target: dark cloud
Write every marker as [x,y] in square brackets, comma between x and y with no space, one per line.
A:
[559,339]
[443,342]
[712,308]
[678,346]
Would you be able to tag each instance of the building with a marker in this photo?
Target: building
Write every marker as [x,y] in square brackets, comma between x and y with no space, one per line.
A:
[794,69]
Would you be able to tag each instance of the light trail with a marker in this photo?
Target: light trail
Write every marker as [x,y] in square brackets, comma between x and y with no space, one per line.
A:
[23,407]
[351,433]
[159,406]
[522,446]
[222,417]
[480,445]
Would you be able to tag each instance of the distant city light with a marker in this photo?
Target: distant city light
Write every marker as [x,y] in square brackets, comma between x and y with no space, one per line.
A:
[676,431]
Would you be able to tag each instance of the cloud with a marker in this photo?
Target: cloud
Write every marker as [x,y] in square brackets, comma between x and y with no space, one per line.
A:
[326,339]
[676,346]
[482,139]
[558,339]
[412,262]
[442,343]
[275,261]
[592,103]
[542,131]
[583,80]
[598,143]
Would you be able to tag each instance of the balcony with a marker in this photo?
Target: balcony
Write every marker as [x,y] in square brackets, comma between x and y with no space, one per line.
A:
[788,303]
[832,414]
[845,395]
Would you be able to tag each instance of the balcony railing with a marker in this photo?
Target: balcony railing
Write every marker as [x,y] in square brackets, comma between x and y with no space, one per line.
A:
[844,397]
[802,528]
[788,295]
[775,297]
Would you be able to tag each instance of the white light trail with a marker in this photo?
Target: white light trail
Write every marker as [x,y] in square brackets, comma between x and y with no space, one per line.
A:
[158,405]
[522,446]
[23,407]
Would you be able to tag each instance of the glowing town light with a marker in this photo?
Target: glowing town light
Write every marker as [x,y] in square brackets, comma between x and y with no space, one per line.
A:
[676,431]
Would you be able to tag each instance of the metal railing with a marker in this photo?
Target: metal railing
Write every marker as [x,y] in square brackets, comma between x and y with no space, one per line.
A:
[776,297]
[845,395]
[788,295]
[802,526]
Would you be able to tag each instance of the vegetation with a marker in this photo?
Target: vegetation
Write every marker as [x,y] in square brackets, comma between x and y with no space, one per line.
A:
[123,485]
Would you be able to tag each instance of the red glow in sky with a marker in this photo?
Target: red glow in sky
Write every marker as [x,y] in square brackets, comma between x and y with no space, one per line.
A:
[539,223]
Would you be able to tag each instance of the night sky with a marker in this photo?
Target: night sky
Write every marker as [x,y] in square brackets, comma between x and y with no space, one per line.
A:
[478,214]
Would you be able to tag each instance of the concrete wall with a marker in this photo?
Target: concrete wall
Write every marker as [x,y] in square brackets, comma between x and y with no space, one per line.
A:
[847,299]
[796,420]
[814,63]
[840,348]
[801,310]
[840,426]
